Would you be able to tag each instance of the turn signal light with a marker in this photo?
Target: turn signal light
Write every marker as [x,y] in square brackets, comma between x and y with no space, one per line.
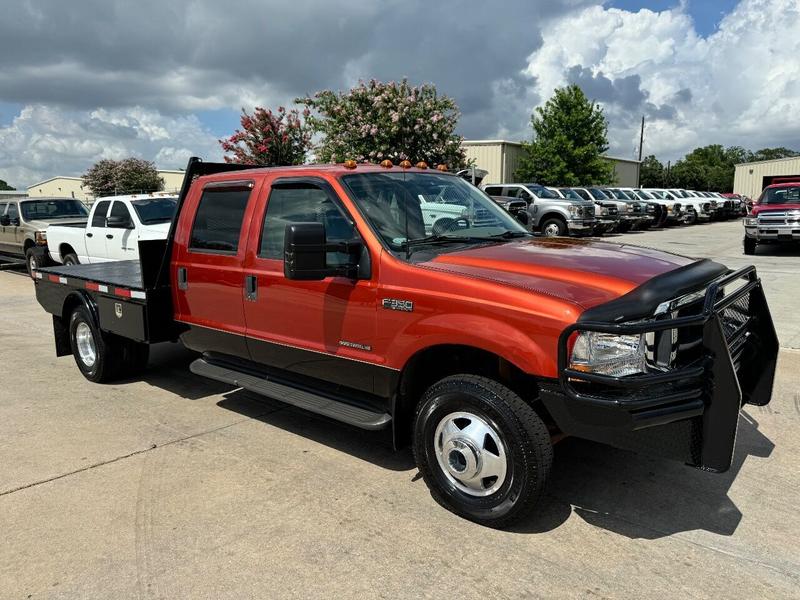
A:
[386,164]
[421,165]
[442,167]
[406,164]
[349,164]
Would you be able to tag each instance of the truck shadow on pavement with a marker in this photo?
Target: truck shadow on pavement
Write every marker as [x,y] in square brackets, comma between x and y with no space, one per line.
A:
[648,498]
[626,493]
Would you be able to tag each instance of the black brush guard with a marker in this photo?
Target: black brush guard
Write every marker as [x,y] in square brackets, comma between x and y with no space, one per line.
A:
[689,413]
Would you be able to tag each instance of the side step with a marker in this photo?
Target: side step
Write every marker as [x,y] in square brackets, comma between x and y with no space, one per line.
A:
[353,415]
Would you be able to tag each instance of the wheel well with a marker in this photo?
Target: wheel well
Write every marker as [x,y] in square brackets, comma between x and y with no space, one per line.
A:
[428,366]
[27,244]
[552,215]
[65,249]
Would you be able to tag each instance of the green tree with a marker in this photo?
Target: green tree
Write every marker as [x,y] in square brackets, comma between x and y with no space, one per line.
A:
[126,176]
[772,154]
[4,187]
[397,121]
[652,173]
[269,139]
[570,137]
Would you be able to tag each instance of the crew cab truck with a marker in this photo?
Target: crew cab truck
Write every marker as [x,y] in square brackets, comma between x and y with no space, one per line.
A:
[774,217]
[479,345]
[113,230]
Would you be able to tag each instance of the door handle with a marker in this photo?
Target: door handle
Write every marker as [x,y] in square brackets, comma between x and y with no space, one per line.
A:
[89,234]
[109,236]
[183,278]
[251,288]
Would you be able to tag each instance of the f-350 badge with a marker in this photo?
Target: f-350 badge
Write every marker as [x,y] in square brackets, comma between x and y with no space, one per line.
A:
[395,304]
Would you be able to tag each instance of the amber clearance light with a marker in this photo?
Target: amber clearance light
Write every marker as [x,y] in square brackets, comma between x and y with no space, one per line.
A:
[406,164]
[349,164]
[441,167]
[386,164]
[421,165]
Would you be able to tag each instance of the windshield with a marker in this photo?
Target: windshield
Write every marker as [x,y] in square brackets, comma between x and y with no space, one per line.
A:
[541,191]
[407,207]
[644,195]
[598,194]
[657,194]
[616,194]
[155,210]
[572,194]
[783,195]
[33,210]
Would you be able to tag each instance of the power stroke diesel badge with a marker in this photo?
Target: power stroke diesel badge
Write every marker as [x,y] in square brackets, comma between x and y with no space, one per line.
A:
[395,304]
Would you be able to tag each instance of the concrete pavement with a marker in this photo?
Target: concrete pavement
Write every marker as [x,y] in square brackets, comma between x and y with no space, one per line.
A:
[175,487]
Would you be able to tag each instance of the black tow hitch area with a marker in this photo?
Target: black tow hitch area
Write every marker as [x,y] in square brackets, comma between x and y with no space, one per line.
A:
[724,352]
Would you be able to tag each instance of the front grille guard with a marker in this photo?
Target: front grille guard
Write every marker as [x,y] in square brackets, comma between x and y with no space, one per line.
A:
[737,366]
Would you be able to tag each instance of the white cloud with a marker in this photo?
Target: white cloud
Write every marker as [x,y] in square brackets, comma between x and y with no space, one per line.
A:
[43,141]
[738,86]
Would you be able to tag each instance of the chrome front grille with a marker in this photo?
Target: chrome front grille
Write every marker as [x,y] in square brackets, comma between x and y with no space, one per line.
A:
[779,217]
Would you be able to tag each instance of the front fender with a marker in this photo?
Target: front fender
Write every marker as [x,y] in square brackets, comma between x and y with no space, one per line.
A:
[533,354]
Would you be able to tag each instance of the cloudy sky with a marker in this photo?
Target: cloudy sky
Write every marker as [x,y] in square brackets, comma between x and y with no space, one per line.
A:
[164,79]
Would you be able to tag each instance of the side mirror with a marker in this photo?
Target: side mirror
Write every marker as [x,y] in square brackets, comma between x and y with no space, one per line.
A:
[117,222]
[5,221]
[305,249]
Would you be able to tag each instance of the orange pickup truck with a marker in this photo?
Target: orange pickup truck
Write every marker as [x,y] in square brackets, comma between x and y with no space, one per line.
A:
[477,343]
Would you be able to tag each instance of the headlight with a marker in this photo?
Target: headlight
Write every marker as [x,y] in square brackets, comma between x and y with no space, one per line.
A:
[575,210]
[41,237]
[604,211]
[608,354]
[751,221]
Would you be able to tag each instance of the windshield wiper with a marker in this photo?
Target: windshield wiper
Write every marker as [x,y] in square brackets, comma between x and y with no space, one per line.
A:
[434,239]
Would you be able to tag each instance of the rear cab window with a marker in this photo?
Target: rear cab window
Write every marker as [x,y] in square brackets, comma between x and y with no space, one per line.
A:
[219,216]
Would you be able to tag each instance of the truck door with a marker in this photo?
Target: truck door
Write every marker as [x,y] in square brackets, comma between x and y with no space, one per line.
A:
[208,281]
[322,329]
[121,242]
[5,225]
[15,232]
[95,234]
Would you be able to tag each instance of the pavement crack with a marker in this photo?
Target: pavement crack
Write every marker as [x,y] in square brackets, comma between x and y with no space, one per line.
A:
[102,463]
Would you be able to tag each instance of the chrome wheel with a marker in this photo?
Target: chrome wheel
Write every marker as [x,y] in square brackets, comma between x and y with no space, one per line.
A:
[471,453]
[31,263]
[84,340]
[552,230]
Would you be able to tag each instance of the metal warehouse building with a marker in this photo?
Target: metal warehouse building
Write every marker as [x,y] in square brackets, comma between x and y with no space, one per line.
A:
[751,178]
[501,159]
[72,187]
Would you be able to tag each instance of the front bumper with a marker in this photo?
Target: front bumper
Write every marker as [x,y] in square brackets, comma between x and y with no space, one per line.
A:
[585,226]
[764,232]
[689,413]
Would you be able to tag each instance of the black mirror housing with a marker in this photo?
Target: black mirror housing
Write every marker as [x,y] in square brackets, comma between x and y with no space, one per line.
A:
[116,222]
[305,251]
[5,221]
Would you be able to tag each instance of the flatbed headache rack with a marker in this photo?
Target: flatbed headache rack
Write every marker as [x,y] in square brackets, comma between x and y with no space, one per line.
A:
[128,298]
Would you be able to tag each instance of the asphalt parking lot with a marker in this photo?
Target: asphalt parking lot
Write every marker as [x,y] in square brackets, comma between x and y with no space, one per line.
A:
[170,486]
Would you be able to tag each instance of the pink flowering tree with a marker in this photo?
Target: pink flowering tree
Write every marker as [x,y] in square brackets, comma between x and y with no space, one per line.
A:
[375,121]
[269,139]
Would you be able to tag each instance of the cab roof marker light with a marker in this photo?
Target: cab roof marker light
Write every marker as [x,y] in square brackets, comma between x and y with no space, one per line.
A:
[421,165]
[406,164]
[387,164]
[349,164]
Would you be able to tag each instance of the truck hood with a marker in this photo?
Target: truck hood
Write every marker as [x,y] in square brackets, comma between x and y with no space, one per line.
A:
[582,272]
[765,208]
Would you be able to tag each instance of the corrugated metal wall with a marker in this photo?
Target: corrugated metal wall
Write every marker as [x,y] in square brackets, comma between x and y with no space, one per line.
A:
[749,177]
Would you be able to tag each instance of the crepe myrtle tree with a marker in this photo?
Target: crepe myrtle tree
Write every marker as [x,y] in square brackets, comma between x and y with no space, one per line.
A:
[570,137]
[270,139]
[126,176]
[375,121]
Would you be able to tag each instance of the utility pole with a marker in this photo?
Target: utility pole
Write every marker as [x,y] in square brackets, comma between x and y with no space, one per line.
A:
[669,163]
[641,140]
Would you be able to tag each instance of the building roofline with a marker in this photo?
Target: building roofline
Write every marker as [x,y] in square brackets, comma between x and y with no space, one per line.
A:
[176,171]
[771,160]
[488,142]
[53,179]
[618,159]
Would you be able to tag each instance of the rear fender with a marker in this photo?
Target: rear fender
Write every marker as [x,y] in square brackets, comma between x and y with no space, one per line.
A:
[61,323]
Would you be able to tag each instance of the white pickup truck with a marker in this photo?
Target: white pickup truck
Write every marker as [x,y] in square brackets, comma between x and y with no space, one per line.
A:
[115,226]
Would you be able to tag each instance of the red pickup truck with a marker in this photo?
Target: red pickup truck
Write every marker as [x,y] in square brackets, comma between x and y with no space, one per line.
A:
[774,217]
[477,343]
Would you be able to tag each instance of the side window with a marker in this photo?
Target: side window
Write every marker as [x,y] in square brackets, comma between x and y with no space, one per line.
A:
[2,208]
[99,216]
[494,190]
[511,192]
[302,203]
[120,210]
[218,220]
[13,211]
[525,195]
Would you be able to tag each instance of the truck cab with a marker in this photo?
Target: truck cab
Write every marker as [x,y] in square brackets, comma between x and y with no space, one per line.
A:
[479,345]
[115,226]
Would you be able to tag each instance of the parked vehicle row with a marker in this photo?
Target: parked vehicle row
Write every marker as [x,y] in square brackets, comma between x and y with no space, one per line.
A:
[594,210]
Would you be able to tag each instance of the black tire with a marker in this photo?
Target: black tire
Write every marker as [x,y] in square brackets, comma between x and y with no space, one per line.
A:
[32,262]
[623,227]
[690,218]
[750,246]
[553,227]
[70,258]
[524,437]
[108,356]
